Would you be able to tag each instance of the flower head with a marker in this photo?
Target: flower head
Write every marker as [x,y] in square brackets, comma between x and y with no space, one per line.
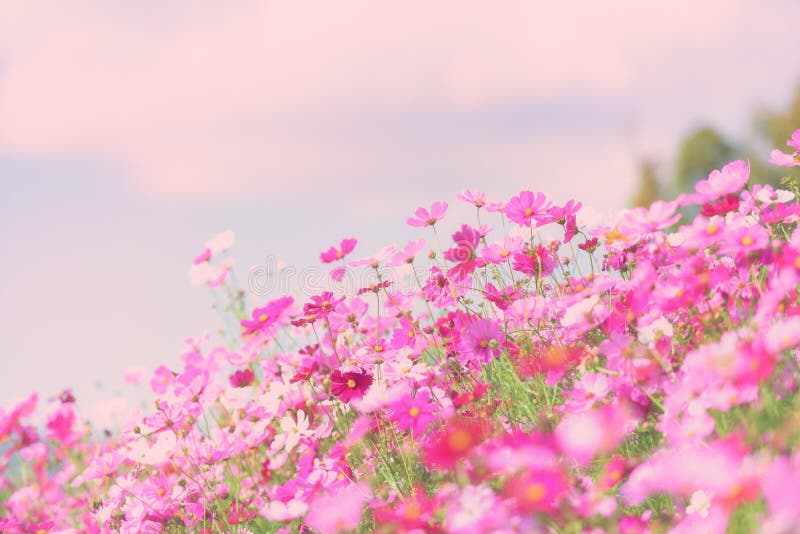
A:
[423,217]
[333,254]
[350,384]
[528,207]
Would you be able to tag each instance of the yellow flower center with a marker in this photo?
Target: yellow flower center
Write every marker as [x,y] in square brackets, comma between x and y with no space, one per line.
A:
[747,241]
[263,318]
[413,411]
[528,212]
[351,383]
[535,492]
[460,440]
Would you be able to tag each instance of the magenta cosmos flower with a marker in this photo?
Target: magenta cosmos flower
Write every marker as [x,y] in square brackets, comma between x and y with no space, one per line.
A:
[482,341]
[350,384]
[413,413]
[528,206]
[333,254]
[423,217]
[266,316]
[321,305]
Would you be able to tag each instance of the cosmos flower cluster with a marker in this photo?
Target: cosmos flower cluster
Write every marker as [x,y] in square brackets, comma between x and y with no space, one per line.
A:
[542,375]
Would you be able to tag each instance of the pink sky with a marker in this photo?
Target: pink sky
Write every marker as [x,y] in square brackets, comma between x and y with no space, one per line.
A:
[224,98]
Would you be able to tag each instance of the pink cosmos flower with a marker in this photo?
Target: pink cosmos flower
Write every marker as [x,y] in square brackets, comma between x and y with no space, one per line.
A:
[408,253]
[501,251]
[134,374]
[413,413]
[535,261]
[730,180]
[776,157]
[502,298]
[423,217]
[527,207]
[348,314]
[242,378]
[482,341]
[203,257]
[658,216]
[454,442]
[332,254]
[464,253]
[321,305]
[337,511]
[565,216]
[59,424]
[477,199]
[266,316]
[376,260]
[581,436]
[441,290]
[350,384]
[162,378]
[405,335]
[539,490]
[475,510]
[409,514]
[728,204]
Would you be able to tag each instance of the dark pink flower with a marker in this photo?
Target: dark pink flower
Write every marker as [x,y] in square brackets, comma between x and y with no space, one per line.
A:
[350,384]
[321,305]
[242,378]
[725,205]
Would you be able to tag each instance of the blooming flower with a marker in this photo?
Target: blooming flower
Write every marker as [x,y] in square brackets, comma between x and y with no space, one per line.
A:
[337,511]
[528,207]
[242,378]
[350,384]
[333,254]
[423,217]
[413,413]
[731,179]
[321,305]
[266,316]
[482,341]
[454,442]
[477,199]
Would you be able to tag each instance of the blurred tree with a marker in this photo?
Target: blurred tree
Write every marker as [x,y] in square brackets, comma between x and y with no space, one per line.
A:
[777,127]
[649,187]
[702,151]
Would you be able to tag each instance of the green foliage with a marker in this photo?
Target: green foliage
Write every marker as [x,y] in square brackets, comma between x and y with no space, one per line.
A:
[702,151]
[649,187]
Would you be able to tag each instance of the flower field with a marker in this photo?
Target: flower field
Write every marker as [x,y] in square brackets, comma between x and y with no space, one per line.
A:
[636,375]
